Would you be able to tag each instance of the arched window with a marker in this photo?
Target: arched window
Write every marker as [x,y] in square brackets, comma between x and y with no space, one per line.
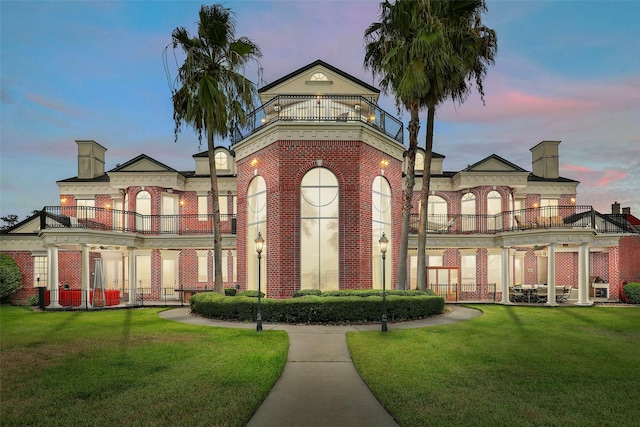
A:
[437,213]
[494,208]
[468,211]
[256,223]
[319,256]
[381,223]
[143,211]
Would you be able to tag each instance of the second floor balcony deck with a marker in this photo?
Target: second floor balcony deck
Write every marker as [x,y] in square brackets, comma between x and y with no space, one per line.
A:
[555,217]
[320,109]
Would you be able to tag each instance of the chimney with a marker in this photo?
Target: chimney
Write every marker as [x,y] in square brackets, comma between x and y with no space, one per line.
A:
[626,211]
[90,159]
[615,208]
[544,159]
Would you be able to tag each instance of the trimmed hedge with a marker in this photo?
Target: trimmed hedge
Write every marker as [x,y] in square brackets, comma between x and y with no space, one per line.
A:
[632,292]
[361,293]
[316,309]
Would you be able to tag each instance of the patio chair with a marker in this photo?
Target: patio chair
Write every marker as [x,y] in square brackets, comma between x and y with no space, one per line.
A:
[565,294]
[517,295]
[541,294]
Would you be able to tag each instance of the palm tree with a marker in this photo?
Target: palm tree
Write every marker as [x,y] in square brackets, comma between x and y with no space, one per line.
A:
[425,52]
[211,94]
[468,48]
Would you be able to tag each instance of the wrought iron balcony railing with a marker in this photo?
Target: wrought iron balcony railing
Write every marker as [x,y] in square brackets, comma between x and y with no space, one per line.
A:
[551,217]
[104,219]
[548,217]
[320,109]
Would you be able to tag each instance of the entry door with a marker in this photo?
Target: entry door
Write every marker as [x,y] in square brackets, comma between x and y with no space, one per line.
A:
[444,281]
[170,214]
[113,272]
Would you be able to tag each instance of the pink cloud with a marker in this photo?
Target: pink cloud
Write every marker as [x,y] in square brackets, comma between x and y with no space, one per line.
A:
[610,177]
[47,103]
[575,168]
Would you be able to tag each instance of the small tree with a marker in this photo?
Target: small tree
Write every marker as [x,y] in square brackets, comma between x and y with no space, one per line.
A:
[10,277]
[10,221]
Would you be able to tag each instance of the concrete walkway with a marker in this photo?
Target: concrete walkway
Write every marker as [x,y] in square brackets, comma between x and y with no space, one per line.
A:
[319,385]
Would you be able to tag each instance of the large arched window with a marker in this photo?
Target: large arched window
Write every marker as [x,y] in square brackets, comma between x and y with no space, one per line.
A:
[256,223]
[319,256]
[468,210]
[494,208]
[143,211]
[381,223]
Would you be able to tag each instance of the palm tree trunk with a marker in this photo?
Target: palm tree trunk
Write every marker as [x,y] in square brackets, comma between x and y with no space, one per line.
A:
[424,194]
[217,237]
[407,196]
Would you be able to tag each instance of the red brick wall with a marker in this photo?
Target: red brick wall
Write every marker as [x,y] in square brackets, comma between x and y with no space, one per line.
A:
[283,164]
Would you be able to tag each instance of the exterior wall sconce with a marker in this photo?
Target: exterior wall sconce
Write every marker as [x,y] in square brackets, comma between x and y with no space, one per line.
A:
[254,162]
[107,205]
[182,203]
[536,205]
[63,200]
[573,200]
[384,163]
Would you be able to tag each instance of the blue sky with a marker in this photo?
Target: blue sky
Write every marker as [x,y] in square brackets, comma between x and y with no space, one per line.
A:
[565,70]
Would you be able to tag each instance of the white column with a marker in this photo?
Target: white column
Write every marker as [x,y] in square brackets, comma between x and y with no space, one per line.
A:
[132,276]
[505,275]
[52,273]
[551,275]
[85,274]
[583,275]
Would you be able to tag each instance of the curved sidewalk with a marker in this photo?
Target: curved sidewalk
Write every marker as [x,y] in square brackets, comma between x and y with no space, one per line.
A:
[319,385]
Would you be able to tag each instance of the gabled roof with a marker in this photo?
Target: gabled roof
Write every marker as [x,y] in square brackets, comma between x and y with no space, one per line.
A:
[494,163]
[315,64]
[26,226]
[143,163]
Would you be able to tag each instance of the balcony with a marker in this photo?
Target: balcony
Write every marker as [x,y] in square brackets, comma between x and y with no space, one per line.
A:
[549,217]
[320,109]
[103,219]
[553,217]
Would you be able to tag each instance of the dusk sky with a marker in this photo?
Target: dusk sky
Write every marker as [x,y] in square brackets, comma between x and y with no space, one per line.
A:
[565,70]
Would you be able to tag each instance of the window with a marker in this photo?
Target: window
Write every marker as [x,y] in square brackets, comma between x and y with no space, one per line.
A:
[203,207]
[468,210]
[224,210]
[468,272]
[86,208]
[256,223]
[40,271]
[319,230]
[143,273]
[318,77]
[222,161]
[494,208]
[143,209]
[381,223]
[436,212]
[548,207]
[419,165]
[494,271]
[203,266]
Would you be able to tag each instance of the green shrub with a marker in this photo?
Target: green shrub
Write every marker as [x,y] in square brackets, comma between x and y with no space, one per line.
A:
[230,292]
[316,309]
[33,300]
[10,277]
[305,292]
[252,294]
[632,291]
[375,292]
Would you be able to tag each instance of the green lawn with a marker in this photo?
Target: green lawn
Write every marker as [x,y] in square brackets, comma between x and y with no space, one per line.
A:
[130,367]
[515,366]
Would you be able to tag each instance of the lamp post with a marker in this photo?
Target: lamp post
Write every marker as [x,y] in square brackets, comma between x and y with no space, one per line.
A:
[383,249]
[259,247]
